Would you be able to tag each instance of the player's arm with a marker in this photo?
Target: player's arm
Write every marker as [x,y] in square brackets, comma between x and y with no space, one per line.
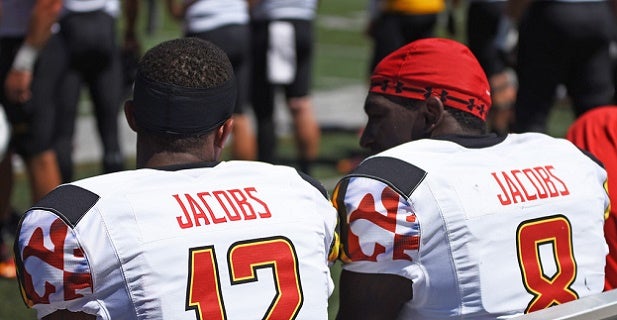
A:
[174,9]
[368,294]
[178,10]
[332,240]
[53,268]
[131,11]
[376,280]
[372,296]
[516,8]
[374,11]
[252,2]
[44,15]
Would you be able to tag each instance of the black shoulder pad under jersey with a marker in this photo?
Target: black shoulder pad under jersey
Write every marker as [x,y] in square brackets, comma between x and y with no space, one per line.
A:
[314,183]
[69,202]
[402,176]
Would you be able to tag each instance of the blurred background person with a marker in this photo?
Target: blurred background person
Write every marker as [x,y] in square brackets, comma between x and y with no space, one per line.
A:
[27,98]
[131,48]
[482,23]
[153,21]
[282,41]
[226,24]
[7,219]
[394,23]
[91,54]
[560,42]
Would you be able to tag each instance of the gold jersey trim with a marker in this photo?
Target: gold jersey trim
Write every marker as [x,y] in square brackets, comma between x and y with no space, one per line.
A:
[414,6]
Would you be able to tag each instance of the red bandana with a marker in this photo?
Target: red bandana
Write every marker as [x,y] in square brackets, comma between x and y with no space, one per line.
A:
[438,67]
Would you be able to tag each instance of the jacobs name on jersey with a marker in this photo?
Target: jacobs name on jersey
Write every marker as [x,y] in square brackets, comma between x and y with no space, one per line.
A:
[221,206]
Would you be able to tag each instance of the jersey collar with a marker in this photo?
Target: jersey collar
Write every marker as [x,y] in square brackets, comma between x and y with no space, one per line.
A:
[176,167]
[474,142]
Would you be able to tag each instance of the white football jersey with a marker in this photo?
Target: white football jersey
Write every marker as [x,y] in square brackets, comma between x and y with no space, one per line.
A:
[5,132]
[485,228]
[112,7]
[239,240]
[284,9]
[206,15]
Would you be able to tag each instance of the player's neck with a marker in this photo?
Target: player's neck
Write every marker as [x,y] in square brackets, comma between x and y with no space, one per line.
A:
[163,159]
[450,126]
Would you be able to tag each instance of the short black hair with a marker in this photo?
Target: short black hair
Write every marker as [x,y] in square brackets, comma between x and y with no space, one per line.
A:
[188,62]
[177,144]
[465,119]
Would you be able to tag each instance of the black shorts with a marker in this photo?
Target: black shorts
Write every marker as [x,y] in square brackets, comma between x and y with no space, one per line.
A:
[33,122]
[304,41]
[89,37]
[234,40]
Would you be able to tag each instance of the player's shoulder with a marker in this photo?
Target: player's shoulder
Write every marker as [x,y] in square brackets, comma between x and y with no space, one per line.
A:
[72,201]
[560,146]
[120,182]
[535,138]
[69,202]
[53,220]
[402,176]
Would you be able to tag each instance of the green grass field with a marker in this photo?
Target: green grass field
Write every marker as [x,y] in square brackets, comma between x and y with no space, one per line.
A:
[342,54]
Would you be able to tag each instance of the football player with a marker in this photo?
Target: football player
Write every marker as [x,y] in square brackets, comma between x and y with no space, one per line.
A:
[185,236]
[445,220]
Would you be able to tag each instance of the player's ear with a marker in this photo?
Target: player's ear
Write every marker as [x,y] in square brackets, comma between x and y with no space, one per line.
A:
[434,113]
[129,113]
[223,132]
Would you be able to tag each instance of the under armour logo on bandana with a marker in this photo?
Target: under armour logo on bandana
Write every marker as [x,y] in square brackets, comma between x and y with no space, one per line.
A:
[400,88]
[435,67]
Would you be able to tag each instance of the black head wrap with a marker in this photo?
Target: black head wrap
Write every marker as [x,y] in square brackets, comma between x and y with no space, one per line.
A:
[172,109]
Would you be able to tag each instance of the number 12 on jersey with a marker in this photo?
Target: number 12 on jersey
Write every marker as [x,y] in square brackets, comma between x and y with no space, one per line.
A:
[204,294]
